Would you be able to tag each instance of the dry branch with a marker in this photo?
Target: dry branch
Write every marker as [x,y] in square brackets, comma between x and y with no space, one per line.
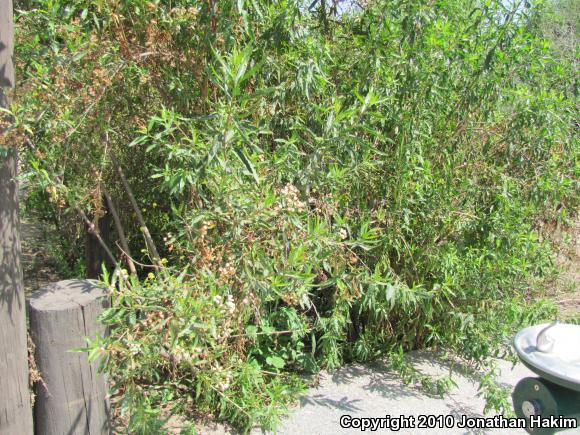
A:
[148,239]
[94,232]
[120,231]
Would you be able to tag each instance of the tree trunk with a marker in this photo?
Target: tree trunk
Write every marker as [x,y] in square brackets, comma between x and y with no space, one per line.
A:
[15,409]
[95,255]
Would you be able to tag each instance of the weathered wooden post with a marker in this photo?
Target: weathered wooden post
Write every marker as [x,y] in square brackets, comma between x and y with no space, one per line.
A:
[15,409]
[72,397]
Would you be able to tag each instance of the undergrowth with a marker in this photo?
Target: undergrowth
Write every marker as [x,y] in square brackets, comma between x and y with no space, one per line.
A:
[313,187]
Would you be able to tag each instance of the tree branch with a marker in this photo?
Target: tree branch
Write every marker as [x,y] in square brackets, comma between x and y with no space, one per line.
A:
[95,233]
[148,240]
[120,231]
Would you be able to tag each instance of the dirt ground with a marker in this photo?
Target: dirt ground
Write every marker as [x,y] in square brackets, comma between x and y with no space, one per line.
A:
[566,288]
[37,265]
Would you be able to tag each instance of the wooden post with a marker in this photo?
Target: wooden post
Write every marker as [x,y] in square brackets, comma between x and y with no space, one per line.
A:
[15,409]
[72,397]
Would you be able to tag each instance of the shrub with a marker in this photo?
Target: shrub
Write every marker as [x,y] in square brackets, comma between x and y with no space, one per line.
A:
[321,188]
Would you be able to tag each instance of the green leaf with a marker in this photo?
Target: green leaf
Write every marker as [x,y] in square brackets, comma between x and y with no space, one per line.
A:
[275,361]
[247,163]
[252,332]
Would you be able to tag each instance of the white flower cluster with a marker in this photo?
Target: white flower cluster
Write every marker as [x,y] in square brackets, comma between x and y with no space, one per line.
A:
[134,348]
[227,270]
[179,354]
[192,11]
[228,303]
[292,198]
[223,386]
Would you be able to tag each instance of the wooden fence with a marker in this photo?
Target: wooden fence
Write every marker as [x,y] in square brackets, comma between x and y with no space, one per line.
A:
[72,396]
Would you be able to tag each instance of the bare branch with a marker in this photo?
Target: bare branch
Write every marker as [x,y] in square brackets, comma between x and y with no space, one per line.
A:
[120,231]
[94,232]
[148,240]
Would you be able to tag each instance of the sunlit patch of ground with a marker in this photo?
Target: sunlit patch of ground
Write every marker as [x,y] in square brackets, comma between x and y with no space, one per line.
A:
[565,290]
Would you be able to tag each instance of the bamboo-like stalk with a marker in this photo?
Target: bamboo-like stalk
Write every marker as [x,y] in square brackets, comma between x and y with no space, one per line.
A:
[148,239]
[120,231]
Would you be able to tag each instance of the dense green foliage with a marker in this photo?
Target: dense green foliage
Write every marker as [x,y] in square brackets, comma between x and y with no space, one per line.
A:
[560,24]
[322,188]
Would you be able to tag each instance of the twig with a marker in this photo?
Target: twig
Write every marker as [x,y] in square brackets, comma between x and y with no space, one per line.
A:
[263,333]
[152,266]
[313,306]
[229,400]
[95,233]
[146,234]
[120,231]
[94,103]
[91,106]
